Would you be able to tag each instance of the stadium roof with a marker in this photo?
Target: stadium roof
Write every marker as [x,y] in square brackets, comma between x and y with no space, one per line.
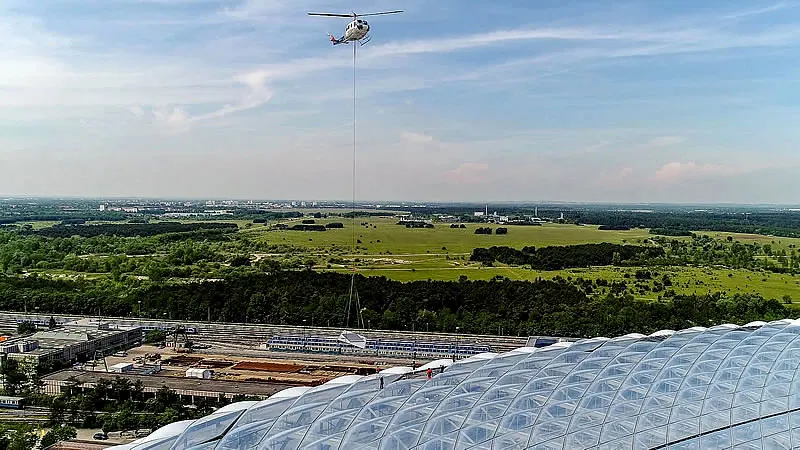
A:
[700,388]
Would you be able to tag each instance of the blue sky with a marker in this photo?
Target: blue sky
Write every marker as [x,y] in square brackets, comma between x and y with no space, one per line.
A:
[632,101]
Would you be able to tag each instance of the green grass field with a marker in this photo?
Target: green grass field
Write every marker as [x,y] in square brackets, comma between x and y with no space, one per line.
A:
[38,225]
[383,235]
[442,253]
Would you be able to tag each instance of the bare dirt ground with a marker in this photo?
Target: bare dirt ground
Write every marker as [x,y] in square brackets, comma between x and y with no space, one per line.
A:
[226,366]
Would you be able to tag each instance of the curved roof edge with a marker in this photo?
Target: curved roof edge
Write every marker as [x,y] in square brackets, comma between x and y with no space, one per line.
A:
[175,429]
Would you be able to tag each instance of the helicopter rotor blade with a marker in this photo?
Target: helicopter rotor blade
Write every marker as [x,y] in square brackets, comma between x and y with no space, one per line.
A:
[381,13]
[330,14]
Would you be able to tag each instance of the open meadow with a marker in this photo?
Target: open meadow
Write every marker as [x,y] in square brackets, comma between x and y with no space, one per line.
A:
[397,252]
[442,253]
[381,236]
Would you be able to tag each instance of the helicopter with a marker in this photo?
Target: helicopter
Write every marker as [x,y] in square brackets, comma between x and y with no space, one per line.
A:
[355,31]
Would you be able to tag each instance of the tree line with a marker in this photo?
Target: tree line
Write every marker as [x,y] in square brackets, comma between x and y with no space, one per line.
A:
[560,307]
[700,250]
[670,232]
[110,217]
[308,227]
[784,223]
[568,256]
[129,229]
[122,405]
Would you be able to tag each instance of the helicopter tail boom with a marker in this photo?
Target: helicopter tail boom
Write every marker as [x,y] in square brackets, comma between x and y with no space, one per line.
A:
[335,41]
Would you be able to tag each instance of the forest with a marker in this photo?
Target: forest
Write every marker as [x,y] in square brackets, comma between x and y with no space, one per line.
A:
[699,250]
[566,256]
[9,219]
[785,224]
[129,229]
[548,307]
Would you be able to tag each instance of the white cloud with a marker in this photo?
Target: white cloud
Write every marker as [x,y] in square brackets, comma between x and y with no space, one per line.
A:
[468,173]
[743,14]
[34,64]
[416,138]
[271,100]
[665,141]
[676,171]
[252,9]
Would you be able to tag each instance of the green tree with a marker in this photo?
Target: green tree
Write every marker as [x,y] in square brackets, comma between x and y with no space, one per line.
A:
[57,434]
[13,376]
[240,261]
[616,259]
[169,415]
[154,336]
[58,410]
[26,327]
[18,437]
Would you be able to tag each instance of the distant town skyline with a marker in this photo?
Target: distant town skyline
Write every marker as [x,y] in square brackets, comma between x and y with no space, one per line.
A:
[662,101]
[105,202]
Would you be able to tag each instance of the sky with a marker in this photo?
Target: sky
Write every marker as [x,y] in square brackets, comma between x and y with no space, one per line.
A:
[457,100]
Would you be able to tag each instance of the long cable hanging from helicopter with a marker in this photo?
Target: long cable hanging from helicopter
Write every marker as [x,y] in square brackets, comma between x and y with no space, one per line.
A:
[354,250]
[357,34]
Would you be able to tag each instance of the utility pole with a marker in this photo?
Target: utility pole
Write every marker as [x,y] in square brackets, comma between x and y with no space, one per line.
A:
[305,339]
[455,355]
[414,354]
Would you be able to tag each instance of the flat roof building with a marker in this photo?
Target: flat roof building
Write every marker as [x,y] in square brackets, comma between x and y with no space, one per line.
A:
[72,341]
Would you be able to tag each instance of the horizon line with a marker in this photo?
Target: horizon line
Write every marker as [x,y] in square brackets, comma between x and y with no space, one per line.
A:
[383,203]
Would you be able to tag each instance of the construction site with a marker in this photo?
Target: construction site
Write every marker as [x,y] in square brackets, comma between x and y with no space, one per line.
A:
[210,360]
[294,372]
[207,375]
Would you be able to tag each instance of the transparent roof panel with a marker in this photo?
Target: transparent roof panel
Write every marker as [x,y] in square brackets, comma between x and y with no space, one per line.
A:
[719,387]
